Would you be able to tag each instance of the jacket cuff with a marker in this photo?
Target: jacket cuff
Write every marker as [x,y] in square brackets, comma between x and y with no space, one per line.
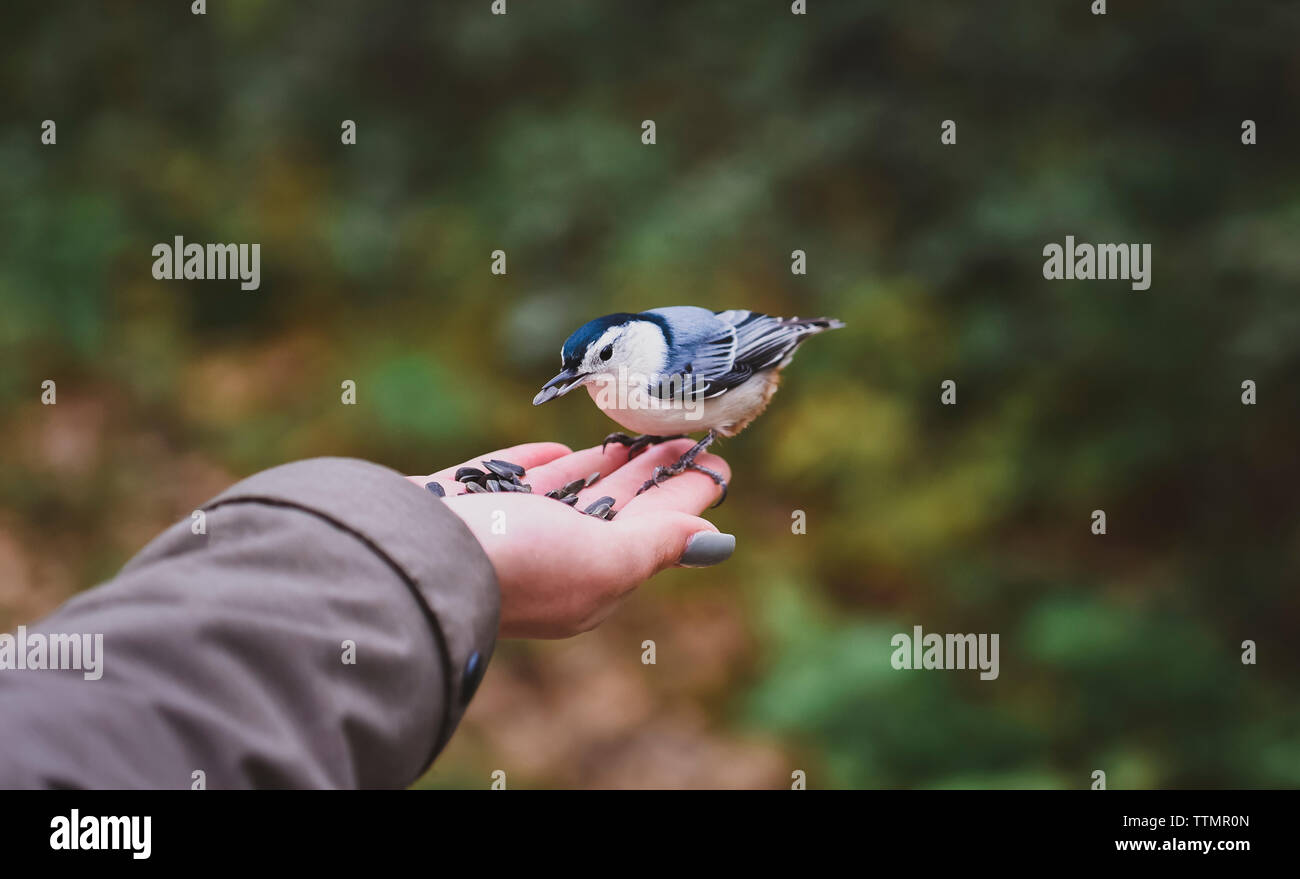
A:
[433,550]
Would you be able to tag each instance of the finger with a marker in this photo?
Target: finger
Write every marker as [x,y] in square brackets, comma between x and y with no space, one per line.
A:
[528,456]
[578,465]
[661,540]
[623,483]
[690,492]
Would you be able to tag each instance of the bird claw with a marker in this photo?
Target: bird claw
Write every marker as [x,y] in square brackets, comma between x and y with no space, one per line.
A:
[716,477]
[637,444]
[662,474]
[656,479]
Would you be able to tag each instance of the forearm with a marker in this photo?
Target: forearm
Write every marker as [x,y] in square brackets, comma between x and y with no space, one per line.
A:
[318,634]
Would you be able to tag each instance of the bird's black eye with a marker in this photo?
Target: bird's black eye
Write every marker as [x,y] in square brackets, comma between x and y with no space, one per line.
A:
[607,352]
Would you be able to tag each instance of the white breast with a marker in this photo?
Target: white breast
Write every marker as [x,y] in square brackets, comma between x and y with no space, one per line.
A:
[728,413]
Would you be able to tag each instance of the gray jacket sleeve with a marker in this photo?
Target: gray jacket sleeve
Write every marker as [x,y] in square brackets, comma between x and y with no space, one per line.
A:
[326,630]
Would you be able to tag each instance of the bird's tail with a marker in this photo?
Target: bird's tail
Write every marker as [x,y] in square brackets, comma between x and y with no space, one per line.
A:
[764,341]
[812,325]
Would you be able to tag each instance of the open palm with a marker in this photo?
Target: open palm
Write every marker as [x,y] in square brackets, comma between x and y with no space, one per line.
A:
[562,572]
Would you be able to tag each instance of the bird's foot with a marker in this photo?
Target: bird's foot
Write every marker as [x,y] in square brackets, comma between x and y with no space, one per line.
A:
[638,444]
[684,463]
[663,474]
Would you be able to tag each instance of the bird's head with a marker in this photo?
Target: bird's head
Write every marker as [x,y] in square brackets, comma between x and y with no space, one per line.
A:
[605,347]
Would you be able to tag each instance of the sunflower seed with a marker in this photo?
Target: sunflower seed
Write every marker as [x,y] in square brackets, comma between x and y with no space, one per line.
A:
[469,473]
[474,488]
[493,485]
[569,499]
[503,468]
[600,511]
[574,487]
[554,493]
[591,480]
[606,502]
[435,488]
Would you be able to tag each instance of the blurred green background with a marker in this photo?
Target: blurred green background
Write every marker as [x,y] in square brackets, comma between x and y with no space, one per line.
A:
[775,132]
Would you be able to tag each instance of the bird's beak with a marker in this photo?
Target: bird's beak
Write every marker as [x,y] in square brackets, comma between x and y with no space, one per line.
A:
[566,381]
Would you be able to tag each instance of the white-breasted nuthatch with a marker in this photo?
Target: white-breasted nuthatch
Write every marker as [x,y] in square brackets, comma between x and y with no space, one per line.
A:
[667,372]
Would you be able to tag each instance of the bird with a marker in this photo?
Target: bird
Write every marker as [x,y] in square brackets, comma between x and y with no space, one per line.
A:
[668,372]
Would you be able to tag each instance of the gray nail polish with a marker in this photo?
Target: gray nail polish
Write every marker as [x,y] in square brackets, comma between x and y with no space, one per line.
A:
[708,548]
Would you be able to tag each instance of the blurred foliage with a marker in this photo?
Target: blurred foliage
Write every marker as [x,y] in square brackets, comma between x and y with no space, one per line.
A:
[775,132]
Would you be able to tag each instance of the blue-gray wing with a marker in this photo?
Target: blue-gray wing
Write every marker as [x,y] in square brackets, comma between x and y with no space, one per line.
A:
[761,342]
[702,345]
[720,350]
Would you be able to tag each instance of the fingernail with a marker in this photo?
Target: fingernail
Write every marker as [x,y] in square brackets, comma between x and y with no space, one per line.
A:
[708,548]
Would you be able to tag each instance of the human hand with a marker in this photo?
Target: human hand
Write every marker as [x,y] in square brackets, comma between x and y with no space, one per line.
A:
[563,572]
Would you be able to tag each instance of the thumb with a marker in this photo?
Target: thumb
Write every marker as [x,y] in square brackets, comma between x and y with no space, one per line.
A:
[666,539]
